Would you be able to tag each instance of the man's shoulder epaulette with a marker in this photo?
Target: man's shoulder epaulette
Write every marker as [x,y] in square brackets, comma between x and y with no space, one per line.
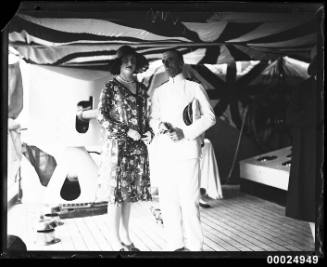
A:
[193,80]
[163,83]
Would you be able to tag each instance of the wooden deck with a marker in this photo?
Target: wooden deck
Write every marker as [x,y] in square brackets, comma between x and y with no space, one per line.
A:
[239,222]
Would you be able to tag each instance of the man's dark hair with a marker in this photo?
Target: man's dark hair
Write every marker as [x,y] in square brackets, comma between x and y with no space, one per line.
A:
[178,54]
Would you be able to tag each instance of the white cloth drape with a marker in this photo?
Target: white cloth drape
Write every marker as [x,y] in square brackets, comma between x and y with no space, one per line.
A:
[210,179]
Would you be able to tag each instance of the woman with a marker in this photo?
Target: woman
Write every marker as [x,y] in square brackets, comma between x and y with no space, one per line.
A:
[123,114]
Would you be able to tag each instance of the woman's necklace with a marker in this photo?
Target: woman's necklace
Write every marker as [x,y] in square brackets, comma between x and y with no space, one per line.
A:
[125,81]
[130,85]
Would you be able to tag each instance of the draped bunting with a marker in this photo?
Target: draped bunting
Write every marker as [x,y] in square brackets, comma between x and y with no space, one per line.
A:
[90,39]
[263,86]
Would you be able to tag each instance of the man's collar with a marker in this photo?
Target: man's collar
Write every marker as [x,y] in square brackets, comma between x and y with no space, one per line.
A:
[178,78]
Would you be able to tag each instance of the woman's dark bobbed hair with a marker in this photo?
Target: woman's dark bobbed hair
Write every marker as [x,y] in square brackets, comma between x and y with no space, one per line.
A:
[142,63]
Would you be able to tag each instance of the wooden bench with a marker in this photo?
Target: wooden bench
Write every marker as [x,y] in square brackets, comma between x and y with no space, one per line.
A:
[267,175]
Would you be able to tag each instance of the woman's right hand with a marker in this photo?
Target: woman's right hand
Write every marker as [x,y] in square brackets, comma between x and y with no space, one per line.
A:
[163,128]
[135,135]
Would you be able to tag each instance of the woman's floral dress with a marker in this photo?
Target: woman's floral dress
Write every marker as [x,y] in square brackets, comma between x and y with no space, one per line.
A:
[124,165]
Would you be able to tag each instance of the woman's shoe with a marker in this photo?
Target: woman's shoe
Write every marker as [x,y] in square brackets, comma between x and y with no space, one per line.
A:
[120,247]
[204,204]
[130,247]
[180,249]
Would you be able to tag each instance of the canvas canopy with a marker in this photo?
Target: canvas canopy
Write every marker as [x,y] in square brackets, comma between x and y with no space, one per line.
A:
[88,35]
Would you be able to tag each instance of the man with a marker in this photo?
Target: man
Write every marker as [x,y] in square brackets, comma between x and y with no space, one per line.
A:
[305,120]
[180,148]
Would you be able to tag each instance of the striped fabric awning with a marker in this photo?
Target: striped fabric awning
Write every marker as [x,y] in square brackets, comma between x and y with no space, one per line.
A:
[77,38]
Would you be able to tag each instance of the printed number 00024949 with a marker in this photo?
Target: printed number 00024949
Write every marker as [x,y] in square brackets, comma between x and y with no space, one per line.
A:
[288,259]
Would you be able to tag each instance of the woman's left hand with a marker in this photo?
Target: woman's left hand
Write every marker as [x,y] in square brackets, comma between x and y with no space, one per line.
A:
[147,137]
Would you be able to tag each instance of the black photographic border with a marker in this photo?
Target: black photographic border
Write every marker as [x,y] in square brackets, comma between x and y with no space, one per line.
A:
[44,6]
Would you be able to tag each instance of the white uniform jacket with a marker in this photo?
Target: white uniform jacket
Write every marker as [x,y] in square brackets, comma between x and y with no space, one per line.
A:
[167,105]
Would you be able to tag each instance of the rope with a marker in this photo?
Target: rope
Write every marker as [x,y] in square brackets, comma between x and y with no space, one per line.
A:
[237,147]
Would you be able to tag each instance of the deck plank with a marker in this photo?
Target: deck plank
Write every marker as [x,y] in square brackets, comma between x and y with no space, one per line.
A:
[273,210]
[274,228]
[93,227]
[151,243]
[88,242]
[148,223]
[104,230]
[237,223]
[230,225]
[220,238]
[135,236]
[65,237]
[242,239]
[259,225]
[249,232]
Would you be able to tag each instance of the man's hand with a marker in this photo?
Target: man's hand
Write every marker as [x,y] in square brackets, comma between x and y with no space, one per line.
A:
[147,137]
[163,128]
[176,135]
[135,135]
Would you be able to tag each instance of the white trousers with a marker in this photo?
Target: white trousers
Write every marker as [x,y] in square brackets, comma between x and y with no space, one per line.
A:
[179,201]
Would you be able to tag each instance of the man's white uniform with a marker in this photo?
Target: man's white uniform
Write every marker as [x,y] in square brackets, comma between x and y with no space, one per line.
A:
[179,186]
